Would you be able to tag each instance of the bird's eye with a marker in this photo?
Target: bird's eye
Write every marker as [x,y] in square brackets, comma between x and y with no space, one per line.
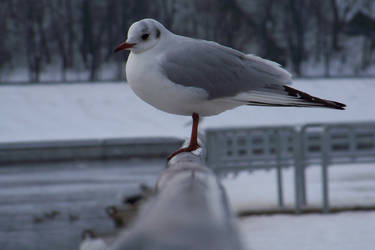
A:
[145,36]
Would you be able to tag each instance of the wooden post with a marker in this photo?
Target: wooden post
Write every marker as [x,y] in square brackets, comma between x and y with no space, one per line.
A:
[189,211]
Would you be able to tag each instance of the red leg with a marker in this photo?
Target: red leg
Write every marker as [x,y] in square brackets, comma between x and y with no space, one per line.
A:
[193,145]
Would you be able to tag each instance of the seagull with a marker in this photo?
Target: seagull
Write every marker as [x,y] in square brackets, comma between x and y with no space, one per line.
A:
[192,77]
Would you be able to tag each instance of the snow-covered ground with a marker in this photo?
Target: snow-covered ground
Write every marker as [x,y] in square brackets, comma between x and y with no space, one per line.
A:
[73,111]
[349,185]
[343,231]
[45,112]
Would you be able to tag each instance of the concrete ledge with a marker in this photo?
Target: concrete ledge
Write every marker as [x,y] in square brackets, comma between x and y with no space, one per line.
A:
[91,149]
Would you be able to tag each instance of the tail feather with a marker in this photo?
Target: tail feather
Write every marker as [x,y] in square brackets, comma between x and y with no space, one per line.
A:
[285,96]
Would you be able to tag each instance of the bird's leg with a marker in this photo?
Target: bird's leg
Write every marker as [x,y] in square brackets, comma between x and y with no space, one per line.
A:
[193,145]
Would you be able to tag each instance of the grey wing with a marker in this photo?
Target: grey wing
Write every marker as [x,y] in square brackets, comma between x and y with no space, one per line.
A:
[220,70]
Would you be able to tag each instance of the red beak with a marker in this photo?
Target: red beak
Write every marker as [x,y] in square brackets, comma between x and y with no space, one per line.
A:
[124,46]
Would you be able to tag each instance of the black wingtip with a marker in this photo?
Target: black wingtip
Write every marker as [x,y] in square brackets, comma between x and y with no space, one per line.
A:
[339,105]
[314,100]
[330,104]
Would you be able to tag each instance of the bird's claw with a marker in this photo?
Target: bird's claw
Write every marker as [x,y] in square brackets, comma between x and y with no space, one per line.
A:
[189,148]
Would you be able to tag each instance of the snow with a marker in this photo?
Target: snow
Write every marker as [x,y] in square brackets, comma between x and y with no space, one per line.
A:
[74,111]
[108,110]
[343,231]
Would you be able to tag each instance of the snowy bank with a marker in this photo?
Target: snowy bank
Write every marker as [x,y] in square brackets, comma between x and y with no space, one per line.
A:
[112,110]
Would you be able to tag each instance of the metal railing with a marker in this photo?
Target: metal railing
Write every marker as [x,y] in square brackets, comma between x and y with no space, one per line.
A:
[233,150]
[328,144]
[237,149]
[88,149]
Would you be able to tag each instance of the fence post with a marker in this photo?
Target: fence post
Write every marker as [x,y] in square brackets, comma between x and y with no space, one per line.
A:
[325,162]
[297,166]
[189,211]
[279,169]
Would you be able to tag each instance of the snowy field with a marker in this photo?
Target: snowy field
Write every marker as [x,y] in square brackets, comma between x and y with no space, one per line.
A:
[349,185]
[343,231]
[73,111]
[44,112]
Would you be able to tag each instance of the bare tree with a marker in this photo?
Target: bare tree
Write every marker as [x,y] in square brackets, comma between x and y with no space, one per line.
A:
[295,27]
[80,34]
[5,55]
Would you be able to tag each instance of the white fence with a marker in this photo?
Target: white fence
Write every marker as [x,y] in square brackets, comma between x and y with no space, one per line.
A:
[237,149]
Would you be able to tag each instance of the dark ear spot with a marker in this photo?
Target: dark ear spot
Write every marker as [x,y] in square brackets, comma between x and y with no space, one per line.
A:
[157,33]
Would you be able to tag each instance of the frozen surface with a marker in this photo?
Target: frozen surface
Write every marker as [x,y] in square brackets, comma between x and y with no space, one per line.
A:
[101,110]
[344,231]
[78,191]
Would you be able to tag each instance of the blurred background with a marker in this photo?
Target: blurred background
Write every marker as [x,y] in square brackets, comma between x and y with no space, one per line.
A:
[66,40]
[75,141]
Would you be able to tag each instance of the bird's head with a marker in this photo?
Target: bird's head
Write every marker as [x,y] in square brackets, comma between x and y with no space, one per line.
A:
[143,35]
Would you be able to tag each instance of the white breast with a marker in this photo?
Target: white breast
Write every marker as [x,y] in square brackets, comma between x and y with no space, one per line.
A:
[147,81]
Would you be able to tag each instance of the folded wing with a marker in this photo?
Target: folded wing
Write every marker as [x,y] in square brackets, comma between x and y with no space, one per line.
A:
[227,73]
